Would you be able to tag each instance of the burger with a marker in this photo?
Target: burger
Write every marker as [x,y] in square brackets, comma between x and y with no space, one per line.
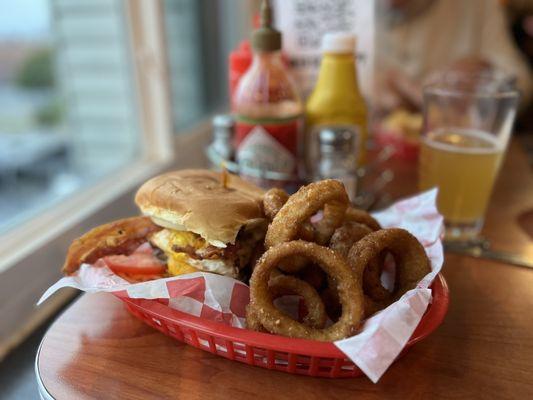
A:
[210,221]
[194,220]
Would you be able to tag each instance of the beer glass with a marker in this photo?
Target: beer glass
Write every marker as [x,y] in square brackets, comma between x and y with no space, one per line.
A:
[467,125]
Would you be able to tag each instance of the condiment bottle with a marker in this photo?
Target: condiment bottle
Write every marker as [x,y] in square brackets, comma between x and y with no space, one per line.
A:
[336,100]
[267,108]
[240,60]
[337,158]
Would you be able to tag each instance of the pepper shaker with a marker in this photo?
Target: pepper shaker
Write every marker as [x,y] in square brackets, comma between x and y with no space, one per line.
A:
[338,157]
[223,132]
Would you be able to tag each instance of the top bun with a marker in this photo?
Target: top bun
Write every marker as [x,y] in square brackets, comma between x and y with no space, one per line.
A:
[195,200]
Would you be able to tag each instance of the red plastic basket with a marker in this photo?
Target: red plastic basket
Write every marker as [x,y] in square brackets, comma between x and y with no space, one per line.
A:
[297,356]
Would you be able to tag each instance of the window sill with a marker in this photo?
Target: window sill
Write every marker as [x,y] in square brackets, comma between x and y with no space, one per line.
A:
[32,254]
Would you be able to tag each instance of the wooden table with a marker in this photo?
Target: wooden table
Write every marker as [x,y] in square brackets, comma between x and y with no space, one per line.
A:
[484,349]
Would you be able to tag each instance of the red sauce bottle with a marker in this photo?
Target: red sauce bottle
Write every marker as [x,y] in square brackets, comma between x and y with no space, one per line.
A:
[268,109]
[240,60]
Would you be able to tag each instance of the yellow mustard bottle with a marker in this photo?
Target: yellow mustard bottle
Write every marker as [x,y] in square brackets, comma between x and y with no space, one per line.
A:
[336,100]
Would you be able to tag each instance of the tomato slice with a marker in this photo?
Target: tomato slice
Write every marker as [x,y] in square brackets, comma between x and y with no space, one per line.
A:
[135,264]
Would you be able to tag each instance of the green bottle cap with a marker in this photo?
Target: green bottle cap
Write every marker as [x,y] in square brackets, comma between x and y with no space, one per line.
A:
[266,38]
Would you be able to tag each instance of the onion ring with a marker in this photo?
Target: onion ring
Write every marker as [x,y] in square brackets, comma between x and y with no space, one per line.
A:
[348,286]
[362,217]
[345,236]
[282,285]
[313,275]
[330,299]
[306,232]
[412,263]
[332,218]
[301,206]
[273,201]
[252,323]
[118,237]
[316,312]
[342,241]
[373,306]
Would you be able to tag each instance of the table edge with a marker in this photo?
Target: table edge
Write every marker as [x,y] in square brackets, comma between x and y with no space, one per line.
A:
[44,394]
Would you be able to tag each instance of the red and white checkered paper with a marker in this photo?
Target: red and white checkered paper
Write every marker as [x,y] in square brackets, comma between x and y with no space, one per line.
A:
[222,299]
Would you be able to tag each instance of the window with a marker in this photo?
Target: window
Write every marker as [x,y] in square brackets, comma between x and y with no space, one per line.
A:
[200,35]
[66,102]
[90,94]
[68,106]
[33,148]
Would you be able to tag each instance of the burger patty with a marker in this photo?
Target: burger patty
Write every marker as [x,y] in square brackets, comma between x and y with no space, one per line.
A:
[237,255]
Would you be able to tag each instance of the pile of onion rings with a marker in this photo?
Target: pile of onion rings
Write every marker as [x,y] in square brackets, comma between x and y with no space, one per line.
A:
[263,311]
[334,263]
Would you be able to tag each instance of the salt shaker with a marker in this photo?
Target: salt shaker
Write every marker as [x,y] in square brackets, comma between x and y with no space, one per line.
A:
[338,157]
[223,131]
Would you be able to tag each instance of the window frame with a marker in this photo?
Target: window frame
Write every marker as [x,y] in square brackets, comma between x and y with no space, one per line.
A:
[151,77]
[50,230]
[53,230]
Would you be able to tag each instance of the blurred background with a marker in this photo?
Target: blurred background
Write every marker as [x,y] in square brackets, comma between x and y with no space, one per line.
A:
[94,91]
[69,95]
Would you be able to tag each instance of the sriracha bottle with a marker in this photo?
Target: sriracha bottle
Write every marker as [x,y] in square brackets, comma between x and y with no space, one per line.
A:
[268,109]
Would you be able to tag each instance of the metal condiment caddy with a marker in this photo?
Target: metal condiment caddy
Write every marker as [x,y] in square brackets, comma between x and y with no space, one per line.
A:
[336,160]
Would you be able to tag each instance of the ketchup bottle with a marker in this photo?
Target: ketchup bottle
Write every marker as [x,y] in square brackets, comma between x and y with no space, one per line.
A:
[268,109]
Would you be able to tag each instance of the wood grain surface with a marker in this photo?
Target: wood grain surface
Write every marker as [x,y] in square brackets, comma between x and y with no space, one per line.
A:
[484,349]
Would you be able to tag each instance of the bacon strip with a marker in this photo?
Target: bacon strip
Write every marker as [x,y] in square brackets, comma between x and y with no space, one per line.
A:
[118,237]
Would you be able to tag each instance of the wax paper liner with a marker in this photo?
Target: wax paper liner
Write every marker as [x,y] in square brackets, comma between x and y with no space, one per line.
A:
[223,299]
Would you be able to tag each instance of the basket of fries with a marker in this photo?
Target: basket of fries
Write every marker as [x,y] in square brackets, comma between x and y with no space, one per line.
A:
[301,283]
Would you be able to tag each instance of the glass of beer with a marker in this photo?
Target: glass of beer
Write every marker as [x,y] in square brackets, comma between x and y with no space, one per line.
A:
[467,124]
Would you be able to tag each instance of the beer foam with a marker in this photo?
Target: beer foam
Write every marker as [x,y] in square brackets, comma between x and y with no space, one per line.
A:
[489,143]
